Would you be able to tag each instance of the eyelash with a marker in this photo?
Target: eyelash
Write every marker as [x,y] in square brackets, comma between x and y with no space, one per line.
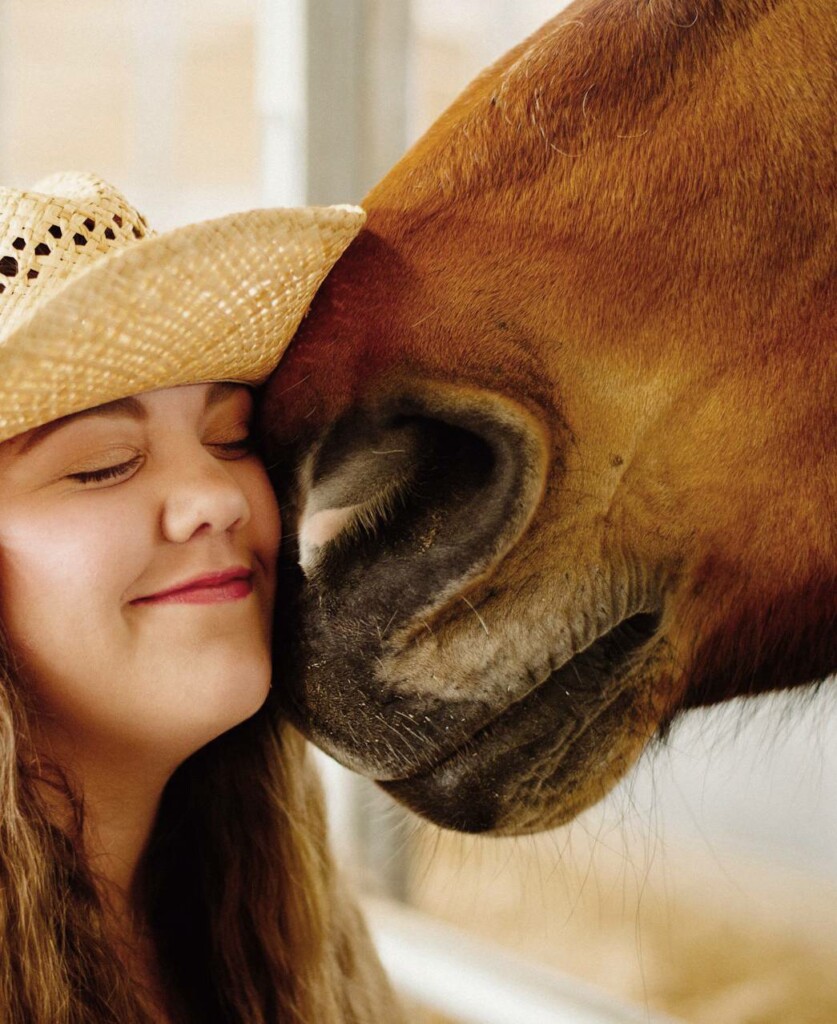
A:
[244,446]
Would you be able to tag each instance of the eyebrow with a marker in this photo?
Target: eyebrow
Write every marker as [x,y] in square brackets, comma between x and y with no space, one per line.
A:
[130,407]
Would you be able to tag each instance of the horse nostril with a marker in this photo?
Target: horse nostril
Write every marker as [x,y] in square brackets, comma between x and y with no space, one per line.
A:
[352,481]
[411,469]
[401,501]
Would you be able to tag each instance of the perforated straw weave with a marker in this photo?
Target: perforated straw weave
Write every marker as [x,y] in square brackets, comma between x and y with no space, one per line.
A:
[95,306]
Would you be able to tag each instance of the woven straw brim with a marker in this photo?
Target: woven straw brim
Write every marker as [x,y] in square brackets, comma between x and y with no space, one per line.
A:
[219,300]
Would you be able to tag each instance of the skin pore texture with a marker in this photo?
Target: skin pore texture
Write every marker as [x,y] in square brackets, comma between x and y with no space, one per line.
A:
[123,691]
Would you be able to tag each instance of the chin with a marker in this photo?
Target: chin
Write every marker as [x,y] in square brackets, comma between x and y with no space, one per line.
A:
[246,695]
[226,698]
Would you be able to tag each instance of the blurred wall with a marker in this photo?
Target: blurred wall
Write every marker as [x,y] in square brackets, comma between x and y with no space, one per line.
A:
[155,96]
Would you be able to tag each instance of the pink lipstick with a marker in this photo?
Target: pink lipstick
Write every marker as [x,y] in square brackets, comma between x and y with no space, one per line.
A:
[210,588]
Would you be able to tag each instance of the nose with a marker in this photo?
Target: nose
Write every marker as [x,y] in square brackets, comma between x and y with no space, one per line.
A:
[430,487]
[202,495]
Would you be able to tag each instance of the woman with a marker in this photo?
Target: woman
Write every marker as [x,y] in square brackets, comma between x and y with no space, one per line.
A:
[162,855]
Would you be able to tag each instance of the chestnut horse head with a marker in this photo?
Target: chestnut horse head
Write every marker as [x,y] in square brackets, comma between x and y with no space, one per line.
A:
[556,444]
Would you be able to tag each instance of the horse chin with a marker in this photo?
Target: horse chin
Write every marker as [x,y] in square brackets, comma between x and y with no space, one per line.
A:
[546,757]
[506,788]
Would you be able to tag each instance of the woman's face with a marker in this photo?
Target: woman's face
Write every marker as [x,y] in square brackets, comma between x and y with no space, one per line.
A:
[100,510]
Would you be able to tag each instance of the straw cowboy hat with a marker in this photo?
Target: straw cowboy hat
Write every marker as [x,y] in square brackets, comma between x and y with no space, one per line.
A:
[95,306]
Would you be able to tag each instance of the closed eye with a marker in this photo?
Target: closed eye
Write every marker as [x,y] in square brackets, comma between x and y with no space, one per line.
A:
[227,450]
[236,449]
[108,473]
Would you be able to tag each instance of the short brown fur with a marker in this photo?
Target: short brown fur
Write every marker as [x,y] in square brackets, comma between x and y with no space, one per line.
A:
[625,227]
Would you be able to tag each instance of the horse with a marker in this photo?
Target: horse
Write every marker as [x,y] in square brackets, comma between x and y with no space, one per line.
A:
[556,441]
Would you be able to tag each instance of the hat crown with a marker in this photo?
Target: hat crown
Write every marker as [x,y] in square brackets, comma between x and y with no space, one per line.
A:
[55,231]
[93,310]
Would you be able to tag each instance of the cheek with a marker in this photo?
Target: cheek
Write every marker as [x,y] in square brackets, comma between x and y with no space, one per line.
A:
[265,521]
[59,573]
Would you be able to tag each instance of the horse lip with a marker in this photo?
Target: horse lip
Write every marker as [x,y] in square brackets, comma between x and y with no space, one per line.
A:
[483,732]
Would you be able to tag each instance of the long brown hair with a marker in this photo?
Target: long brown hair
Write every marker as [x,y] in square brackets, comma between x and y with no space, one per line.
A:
[238,885]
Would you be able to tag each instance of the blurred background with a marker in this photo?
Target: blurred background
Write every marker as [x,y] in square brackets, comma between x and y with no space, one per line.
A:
[706,885]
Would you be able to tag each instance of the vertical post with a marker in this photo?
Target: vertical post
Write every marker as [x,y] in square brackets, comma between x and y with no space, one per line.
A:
[356,129]
[333,92]
[357,116]
[357,94]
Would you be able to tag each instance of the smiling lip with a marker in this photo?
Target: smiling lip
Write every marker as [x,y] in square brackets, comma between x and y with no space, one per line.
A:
[211,588]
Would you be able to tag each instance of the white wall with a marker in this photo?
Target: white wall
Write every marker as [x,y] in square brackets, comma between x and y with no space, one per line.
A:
[757,776]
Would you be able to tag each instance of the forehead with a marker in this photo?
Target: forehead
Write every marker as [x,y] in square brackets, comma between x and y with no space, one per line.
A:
[132,406]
